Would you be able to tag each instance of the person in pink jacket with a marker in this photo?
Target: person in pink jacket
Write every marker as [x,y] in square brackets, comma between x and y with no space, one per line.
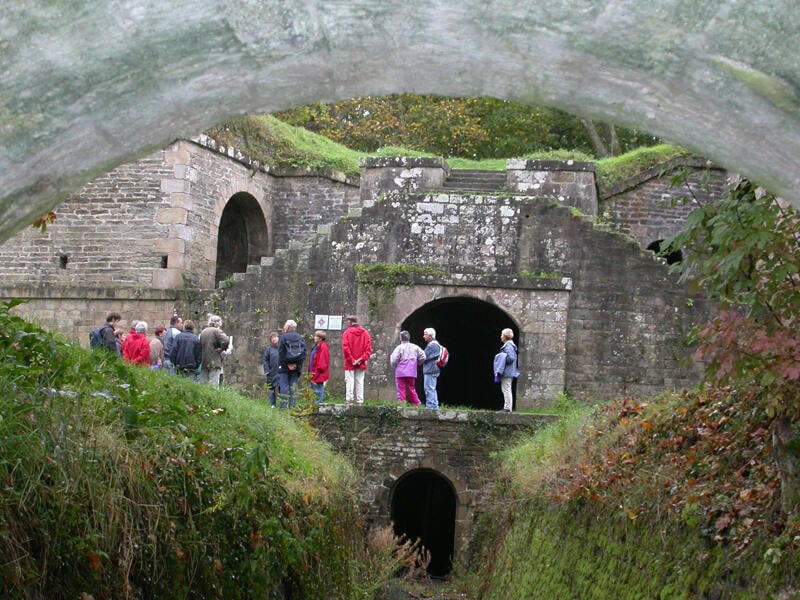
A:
[356,350]
[319,363]
[406,359]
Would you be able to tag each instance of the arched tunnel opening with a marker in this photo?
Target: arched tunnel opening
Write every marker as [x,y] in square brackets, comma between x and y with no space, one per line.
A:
[424,508]
[242,238]
[470,329]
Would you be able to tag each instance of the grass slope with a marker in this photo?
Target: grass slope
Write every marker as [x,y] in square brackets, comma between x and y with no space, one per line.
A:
[121,482]
[279,145]
[676,498]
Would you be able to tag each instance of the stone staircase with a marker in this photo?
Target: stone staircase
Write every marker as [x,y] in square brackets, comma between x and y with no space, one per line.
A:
[471,180]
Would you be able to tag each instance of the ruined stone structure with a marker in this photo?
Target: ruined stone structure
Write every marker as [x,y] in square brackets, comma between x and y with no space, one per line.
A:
[194,228]
[429,473]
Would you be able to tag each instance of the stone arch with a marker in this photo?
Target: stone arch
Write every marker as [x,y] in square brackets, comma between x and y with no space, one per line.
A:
[424,505]
[470,329]
[243,236]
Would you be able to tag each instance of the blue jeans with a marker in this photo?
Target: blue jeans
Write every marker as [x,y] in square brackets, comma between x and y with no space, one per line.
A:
[431,396]
[272,387]
[287,386]
[318,389]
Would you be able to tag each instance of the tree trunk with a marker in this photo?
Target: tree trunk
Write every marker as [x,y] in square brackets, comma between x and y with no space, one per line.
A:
[597,141]
[786,452]
[616,149]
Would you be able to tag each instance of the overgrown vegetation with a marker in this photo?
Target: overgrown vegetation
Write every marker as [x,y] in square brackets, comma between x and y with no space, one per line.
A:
[673,498]
[279,145]
[470,128]
[121,482]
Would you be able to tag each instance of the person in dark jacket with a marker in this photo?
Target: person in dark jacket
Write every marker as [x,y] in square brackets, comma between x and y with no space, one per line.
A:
[319,363]
[292,354]
[270,363]
[430,370]
[108,339]
[186,354]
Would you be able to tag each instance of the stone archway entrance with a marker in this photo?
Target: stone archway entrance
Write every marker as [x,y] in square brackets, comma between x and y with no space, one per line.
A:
[423,506]
[470,329]
[243,237]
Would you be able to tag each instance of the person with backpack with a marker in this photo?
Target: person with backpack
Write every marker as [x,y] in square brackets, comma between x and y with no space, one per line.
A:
[356,350]
[187,354]
[430,368]
[103,337]
[291,355]
[505,368]
[406,359]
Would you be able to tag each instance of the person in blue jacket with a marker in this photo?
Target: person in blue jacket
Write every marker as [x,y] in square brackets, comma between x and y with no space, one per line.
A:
[505,368]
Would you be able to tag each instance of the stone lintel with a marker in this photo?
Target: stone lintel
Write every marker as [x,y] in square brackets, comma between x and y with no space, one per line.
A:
[479,280]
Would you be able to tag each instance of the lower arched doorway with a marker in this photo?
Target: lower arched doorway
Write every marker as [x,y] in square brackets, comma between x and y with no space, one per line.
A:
[242,238]
[424,507]
[470,329]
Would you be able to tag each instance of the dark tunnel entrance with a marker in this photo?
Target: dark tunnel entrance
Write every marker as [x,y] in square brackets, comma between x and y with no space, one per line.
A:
[424,507]
[242,238]
[470,329]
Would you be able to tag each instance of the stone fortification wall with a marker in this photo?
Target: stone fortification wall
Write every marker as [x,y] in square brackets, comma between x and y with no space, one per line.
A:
[651,208]
[74,312]
[103,235]
[386,444]
[623,323]
[153,225]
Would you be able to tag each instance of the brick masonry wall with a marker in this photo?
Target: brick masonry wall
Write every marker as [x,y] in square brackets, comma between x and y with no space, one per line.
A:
[106,231]
[650,208]
[387,443]
[623,319]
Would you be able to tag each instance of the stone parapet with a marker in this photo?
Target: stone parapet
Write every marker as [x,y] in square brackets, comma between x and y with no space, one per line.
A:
[571,183]
[396,173]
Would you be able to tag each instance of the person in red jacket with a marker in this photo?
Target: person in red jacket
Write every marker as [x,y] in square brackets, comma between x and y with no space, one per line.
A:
[356,350]
[136,347]
[319,365]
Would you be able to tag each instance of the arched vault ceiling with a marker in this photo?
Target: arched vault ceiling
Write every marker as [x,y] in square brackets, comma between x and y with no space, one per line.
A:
[86,85]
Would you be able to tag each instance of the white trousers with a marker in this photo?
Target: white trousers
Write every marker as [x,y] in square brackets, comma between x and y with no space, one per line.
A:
[354,386]
[505,387]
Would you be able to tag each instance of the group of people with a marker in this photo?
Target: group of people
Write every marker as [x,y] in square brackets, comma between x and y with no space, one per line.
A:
[200,358]
[176,348]
[283,361]
[284,357]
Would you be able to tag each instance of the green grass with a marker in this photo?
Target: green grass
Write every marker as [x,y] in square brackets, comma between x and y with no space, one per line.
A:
[670,498]
[616,169]
[118,481]
[279,145]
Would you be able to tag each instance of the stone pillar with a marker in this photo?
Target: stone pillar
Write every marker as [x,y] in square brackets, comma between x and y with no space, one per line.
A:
[568,182]
[384,174]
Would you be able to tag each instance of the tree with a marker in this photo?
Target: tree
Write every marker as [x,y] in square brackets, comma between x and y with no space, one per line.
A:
[472,128]
[745,251]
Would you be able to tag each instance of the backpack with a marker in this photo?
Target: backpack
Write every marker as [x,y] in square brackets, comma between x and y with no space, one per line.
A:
[96,337]
[444,357]
[295,349]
